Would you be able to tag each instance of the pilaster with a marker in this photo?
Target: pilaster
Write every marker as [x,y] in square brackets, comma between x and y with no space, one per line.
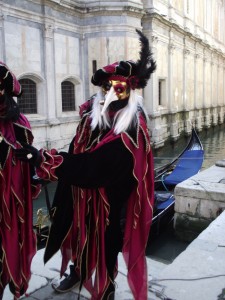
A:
[204,79]
[187,122]
[2,37]
[171,48]
[151,90]
[196,87]
[171,97]
[186,53]
[50,69]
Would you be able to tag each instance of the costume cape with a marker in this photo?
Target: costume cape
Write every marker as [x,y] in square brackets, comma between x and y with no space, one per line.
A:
[17,239]
[81,214]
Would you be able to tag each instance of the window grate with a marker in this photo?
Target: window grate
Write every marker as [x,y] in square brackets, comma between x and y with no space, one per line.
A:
[68,96]
[28,101]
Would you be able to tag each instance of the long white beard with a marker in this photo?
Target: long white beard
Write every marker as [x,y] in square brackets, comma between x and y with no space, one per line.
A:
[123,119]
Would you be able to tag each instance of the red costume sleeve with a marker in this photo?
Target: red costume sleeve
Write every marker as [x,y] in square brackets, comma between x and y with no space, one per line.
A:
[50,161]
[139,213]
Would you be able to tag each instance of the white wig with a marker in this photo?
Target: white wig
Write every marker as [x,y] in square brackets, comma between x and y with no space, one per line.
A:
[123,118]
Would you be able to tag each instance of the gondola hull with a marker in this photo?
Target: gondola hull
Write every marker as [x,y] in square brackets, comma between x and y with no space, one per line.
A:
[186,165]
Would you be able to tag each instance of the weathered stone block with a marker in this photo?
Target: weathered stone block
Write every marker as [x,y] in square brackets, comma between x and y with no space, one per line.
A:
[199,200]
[189,206]
[187,228]
[210,209]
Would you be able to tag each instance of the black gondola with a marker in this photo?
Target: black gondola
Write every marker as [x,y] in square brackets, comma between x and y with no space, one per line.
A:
[184,166]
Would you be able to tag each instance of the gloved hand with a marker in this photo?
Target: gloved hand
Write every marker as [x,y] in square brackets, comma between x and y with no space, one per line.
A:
[29,154]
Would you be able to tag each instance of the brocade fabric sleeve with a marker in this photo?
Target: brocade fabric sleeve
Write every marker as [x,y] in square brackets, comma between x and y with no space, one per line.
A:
[51,160]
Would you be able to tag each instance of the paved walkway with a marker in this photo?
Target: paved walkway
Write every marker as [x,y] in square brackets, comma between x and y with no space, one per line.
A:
[42,276]
[198,273]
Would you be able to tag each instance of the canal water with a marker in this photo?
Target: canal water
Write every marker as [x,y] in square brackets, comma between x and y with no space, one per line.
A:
[213,141]
[166,247]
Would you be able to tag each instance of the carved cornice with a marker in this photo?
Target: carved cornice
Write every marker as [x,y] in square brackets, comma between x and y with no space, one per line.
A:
[155,15]
[104,11]
[99,7]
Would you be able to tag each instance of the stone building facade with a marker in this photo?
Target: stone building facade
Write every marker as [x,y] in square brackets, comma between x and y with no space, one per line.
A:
[55,43]
[188,89]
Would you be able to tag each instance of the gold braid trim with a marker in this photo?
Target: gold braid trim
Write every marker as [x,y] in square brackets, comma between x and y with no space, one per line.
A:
[5,205]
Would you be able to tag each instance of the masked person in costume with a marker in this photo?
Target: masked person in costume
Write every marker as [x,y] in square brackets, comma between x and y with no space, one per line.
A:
[104,198]
[17,239]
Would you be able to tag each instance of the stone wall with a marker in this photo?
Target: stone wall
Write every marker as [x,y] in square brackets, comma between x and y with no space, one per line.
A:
[52,41]
[198,201]
[188,41]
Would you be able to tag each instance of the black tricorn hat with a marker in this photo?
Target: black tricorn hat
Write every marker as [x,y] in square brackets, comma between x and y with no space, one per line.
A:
[136,74]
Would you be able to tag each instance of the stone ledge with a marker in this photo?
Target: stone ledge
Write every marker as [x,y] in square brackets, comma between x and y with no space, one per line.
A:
[198,201]
[194,273]
[205,185]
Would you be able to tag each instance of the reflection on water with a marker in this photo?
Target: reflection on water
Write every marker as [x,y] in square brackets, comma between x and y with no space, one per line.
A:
[166,248]
[213,141]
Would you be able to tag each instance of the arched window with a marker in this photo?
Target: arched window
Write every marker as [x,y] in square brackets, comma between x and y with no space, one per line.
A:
[28,101]
[68,96]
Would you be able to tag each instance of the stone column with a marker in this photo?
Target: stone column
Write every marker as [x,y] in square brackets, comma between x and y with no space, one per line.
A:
[187,121]
[223,83]
[223,102]
[151,96]
[214,100]
[196,89]
[49,65]
[172,109]
[171,48]
[217,91]
[2,38]
[196,57]
[204,79]
[151,90]
[212,104]
[171,12]
[50,71]
[220,95]
[206,122]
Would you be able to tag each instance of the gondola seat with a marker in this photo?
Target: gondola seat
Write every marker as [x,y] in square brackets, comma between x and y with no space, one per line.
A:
[188,165]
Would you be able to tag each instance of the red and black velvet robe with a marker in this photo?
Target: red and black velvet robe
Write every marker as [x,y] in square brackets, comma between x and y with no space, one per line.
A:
[102,175]
[17,239]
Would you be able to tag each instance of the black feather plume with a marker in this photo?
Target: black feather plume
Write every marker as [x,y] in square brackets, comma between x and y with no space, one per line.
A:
[146,65]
